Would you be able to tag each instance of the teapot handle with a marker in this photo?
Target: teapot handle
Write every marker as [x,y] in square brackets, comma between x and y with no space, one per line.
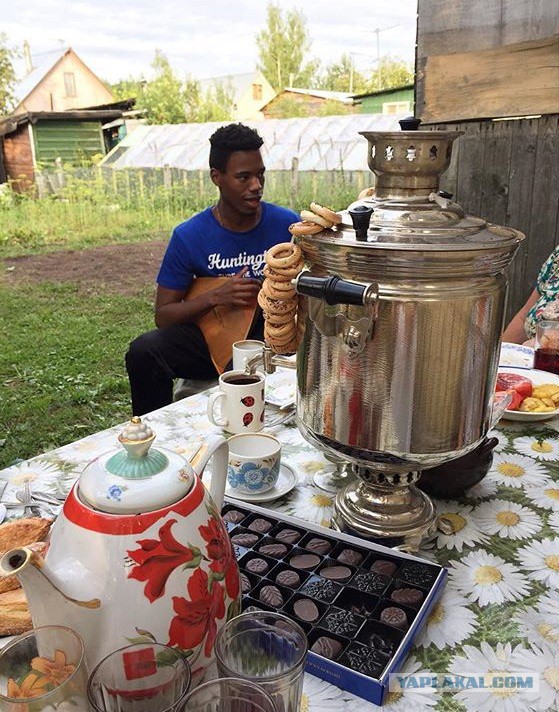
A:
[216,446]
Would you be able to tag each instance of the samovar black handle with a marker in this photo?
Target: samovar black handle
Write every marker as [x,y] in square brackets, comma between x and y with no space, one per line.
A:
[361,217]
[334,290]
[410,123]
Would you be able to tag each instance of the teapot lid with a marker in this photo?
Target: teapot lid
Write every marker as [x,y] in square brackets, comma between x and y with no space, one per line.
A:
[135,479]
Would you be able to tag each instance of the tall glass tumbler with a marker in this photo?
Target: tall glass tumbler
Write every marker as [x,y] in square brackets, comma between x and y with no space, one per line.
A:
[145,677]
[43,670]
[268,649]
[546,355]
[229,694]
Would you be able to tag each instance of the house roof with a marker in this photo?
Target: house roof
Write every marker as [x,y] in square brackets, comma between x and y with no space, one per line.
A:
[318,143]
[11,123]
[46,61]
[383,91]
[240,82]
[323,94]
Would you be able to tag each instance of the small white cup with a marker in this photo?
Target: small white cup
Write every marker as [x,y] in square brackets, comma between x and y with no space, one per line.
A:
[254,462]
[241,402]
[243,350]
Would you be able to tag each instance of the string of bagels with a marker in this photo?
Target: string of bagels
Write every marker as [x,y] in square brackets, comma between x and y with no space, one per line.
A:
[284,311]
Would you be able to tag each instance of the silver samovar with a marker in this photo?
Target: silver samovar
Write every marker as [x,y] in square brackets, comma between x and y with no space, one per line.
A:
[405,303]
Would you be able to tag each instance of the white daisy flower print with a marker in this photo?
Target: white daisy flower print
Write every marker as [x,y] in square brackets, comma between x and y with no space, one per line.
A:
[486,578]
[539,626]
[538,448]
[501,437]
[517,471]
[319,696]
[460,530]
[541,559]
[486,488]
[449,623]
[404,699]
[498,661]
[546,495]
[553,520]
[311,504]
[545,664]
[306,464]
[507,519]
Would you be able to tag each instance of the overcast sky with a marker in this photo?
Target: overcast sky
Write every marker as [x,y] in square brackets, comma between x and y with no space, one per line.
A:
[203,38]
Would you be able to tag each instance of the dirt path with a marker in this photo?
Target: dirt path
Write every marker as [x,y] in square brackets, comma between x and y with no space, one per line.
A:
[126,268]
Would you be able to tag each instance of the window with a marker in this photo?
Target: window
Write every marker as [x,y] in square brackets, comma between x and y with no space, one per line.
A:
[257,91]
[395,107]
[69,84]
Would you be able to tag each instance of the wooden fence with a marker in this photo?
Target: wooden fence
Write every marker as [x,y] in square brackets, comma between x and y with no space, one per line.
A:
[507,172]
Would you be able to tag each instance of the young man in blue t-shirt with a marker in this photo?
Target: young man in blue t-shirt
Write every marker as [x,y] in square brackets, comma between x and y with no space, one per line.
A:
[229,238]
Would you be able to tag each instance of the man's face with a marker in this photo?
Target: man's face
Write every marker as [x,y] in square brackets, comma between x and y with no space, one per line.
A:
[242,182]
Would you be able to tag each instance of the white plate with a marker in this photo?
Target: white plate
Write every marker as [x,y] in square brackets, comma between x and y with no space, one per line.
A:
[537,378]
[281,387]
[286,482]
[516,355]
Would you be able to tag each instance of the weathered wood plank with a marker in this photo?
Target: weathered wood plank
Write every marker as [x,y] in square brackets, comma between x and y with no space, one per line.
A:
[489,83]
[468,190]
[495,173]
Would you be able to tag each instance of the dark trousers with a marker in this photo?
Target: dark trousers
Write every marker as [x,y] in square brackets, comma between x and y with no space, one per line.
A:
[157,357]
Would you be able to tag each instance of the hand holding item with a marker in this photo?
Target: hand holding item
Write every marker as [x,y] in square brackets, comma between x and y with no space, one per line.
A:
[241,402]
[238,290]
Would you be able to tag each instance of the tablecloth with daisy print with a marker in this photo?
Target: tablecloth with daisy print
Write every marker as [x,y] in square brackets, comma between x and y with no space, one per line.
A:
[500,609]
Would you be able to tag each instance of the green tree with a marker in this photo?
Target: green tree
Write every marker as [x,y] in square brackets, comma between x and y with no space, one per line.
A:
[164,96]
[7,75]
[282,47]
[392,72]
[342,76]
[215,104]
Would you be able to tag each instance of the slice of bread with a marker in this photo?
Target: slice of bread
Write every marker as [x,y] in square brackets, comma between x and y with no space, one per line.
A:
[14,613]
[21,532]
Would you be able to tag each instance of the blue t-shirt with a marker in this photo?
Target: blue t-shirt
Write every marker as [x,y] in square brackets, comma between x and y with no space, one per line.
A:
[201,247]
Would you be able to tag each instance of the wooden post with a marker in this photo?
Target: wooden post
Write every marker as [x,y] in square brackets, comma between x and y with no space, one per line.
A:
[60,179]
[167,178]
[294,182]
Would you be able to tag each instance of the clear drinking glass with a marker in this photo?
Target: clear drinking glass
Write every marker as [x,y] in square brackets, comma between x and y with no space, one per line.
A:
[268,649]
[43,671]
[546,355]
[229,694]
[145,677]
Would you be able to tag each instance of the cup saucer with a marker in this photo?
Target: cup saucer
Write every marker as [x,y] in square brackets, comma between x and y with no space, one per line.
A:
[287,480]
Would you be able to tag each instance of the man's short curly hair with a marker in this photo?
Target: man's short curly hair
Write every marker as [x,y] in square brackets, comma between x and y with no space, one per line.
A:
[228,139]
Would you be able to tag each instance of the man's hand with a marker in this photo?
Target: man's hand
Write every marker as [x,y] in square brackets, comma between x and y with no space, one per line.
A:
[238,290]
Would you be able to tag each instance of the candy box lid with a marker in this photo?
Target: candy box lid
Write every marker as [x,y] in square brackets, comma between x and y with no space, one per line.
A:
[350,595]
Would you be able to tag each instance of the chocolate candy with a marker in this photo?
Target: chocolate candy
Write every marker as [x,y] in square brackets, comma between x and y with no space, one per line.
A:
[233,516]
[342,622]
[336,573]
[271,596]
[395,617]
[257,566]
[350,556]
[417,574]
[362,611]
[408,596]
[289,536]
[276,550]
[377,642]
[384,567]
[365,660]
[245,583]
[321,589]
[304,561]
[288,578]
[260,525]
[319,546]
[245,539]
[327,647]
[306,610]
[369,582]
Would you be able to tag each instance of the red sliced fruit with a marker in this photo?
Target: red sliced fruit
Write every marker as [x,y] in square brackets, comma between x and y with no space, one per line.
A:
[513,382]
[516,399]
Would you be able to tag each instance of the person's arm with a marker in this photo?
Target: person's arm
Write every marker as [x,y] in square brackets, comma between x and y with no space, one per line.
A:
[515,333]
[172,308]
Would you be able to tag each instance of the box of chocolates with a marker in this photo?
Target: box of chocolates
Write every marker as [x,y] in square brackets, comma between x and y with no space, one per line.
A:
[360,604]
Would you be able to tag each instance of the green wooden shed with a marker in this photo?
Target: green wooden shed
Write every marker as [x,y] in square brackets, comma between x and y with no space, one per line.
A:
[399,100]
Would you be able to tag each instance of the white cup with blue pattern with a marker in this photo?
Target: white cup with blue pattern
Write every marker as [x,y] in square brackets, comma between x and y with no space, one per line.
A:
[254,462]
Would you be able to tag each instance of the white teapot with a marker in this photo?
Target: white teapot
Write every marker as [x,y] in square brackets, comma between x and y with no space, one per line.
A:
[139,553]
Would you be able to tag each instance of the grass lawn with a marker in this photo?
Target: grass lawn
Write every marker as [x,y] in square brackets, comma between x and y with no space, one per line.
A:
[62,373]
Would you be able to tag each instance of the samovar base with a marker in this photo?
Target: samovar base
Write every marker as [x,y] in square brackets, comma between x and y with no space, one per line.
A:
[396,515]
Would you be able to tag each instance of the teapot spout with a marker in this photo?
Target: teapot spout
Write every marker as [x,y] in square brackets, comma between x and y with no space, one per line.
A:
[215,446]
[47,602]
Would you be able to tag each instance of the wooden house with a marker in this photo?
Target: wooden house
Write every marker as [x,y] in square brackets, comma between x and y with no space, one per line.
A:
[398,100]
[311,101]
[251,91]
[57,81]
